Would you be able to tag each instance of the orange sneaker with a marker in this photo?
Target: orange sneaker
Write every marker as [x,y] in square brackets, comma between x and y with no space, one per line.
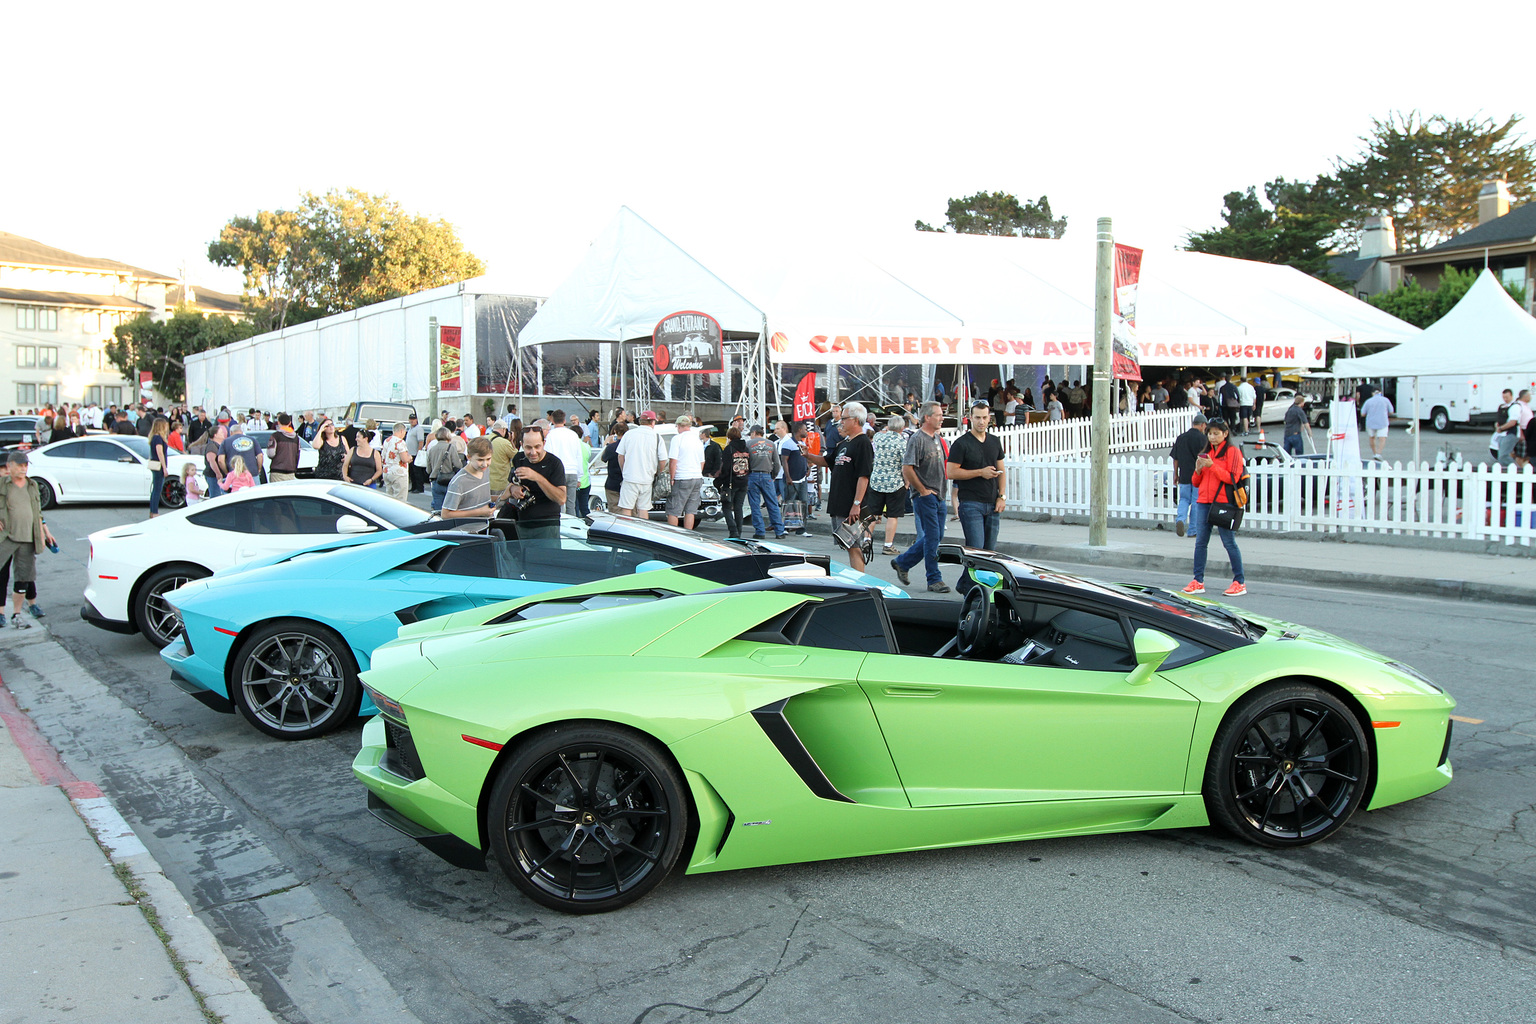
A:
[1236,590]
[1195,587]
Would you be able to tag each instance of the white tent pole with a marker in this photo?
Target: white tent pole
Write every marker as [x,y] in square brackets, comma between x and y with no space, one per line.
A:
[1418,424]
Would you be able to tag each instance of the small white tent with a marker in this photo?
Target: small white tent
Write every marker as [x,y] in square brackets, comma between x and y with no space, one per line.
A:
[1486,332]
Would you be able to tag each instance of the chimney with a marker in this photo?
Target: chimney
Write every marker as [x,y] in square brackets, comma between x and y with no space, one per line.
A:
[1379,238]
[1492,201]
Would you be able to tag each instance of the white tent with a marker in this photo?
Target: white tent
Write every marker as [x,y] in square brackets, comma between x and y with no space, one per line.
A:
[1486,332]
[923,297]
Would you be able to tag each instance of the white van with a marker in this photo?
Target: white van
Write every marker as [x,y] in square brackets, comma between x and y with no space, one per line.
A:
[1469,398]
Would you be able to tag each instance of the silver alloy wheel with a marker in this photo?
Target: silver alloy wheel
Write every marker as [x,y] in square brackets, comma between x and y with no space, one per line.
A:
[162,623]
[292,682]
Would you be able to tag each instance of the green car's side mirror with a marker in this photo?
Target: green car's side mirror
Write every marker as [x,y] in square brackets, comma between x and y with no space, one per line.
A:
[987,578]
[1152,649]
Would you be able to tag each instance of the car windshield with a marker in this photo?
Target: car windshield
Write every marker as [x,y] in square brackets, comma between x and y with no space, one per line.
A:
[1151,597]
[394,512]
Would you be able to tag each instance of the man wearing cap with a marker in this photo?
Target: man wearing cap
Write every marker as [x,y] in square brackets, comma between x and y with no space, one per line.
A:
[687,468]
[22,533]
[1188,447]
[640,453]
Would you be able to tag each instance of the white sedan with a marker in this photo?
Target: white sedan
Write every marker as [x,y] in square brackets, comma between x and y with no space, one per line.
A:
[102,467]
[133,567]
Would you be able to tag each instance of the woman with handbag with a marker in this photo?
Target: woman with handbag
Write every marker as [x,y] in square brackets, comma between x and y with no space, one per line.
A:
[159,455]
[1218,475]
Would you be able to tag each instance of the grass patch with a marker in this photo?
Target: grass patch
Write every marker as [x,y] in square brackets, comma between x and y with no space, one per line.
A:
[141,900]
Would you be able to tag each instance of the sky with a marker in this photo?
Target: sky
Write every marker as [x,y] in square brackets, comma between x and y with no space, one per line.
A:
[528,126]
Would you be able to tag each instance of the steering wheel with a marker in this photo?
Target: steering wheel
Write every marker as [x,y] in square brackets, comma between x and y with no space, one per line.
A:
[978,619]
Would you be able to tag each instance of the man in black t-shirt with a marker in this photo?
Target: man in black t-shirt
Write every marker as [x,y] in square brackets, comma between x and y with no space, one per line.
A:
[538,488]
[1187,447]
[851,461]
[976,466]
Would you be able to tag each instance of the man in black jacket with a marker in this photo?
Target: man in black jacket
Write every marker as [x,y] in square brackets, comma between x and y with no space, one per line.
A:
[1186,449]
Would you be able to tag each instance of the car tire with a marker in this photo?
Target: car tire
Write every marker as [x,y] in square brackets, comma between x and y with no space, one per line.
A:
[46,498]
[294,679]
[588,817]
[596,503]
[1288,766]
[173,493]
[1441,420]
[152,614]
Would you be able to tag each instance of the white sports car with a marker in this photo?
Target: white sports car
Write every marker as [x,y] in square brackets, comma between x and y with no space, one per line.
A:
[133,567]
[103,467]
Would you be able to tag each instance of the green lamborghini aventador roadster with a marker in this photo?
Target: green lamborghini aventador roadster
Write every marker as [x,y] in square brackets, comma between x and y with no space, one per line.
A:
[592,739]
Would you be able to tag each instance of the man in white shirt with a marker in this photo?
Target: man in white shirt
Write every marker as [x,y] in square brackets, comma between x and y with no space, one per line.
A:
[1245,399]
[566,445]
[471,429]
[639,454]
[687,457]
[1378,412]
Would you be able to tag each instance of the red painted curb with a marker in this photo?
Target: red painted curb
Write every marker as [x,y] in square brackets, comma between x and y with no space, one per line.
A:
[39,753]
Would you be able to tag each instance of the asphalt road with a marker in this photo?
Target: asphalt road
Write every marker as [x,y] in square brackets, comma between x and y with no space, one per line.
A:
[1423,911]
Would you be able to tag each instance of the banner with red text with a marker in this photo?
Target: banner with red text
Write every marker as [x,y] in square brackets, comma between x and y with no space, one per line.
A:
[856,345]
[1126,356]
[449,340]
[805,398]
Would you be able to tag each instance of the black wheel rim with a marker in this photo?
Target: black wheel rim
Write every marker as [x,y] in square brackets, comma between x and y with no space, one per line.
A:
[587,824]
[292,682]
[172,494]
[160,618]
[1297,770]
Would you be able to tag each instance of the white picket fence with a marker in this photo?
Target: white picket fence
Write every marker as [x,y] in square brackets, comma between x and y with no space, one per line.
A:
[1072,438]
[1475,503]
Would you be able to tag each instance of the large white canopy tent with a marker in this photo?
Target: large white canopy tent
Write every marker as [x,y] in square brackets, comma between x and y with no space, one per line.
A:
[924,297]
[1486,332]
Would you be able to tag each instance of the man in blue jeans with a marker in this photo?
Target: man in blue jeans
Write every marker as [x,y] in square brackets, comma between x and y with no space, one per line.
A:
[976,466]
[922,467]
[762,464]
[1187,447]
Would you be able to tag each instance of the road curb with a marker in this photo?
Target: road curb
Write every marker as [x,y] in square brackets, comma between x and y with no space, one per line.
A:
[213,980]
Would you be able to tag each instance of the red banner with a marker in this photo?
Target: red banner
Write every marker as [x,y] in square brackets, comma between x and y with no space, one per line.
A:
[1126,359]
[805,398]
[448,352]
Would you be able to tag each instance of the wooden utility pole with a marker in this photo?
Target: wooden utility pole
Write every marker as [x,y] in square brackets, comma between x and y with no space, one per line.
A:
[1103,378]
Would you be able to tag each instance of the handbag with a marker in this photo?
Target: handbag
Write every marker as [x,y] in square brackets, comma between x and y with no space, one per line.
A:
[154,465]
[661,484]
[1226,514]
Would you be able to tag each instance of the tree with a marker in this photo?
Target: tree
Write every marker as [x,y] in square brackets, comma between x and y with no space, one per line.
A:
[161,346]
[1294,230]
[1427,173]
[337,252]
[1000,213]
[1421,307]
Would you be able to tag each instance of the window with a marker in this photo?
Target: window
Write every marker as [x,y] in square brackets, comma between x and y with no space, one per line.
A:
[26,394]
[48,357]
[112,396]
[90,323]
[93,395]
[34,318]
[106,451]
[26,355]
[848,624]
[90,359]
[48,394]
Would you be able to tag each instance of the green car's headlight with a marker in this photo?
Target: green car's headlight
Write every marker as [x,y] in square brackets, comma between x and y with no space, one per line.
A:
[390,707]
[1409,670]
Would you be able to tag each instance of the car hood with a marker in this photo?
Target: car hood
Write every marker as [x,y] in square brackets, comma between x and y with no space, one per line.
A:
[1278,630]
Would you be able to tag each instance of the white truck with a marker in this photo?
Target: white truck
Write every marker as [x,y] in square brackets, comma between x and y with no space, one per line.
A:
[1469,398]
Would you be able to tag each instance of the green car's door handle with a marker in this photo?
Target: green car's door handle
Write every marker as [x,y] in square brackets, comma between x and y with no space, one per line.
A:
[912,691]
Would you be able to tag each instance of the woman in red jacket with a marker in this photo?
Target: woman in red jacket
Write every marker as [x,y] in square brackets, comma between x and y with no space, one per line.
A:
[1216,473]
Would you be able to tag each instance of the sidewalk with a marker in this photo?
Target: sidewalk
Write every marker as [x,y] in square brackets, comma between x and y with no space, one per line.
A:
[90,928]
[1328,560]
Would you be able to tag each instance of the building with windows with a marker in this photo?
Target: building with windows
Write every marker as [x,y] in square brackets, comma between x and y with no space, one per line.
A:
[1504,241]
[57,312]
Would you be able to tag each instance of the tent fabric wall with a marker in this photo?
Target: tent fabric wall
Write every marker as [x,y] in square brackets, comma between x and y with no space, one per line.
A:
[329,363]
[990,299]
[1486,332]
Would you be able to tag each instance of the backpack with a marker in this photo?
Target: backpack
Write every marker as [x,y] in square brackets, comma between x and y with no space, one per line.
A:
[713,457]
